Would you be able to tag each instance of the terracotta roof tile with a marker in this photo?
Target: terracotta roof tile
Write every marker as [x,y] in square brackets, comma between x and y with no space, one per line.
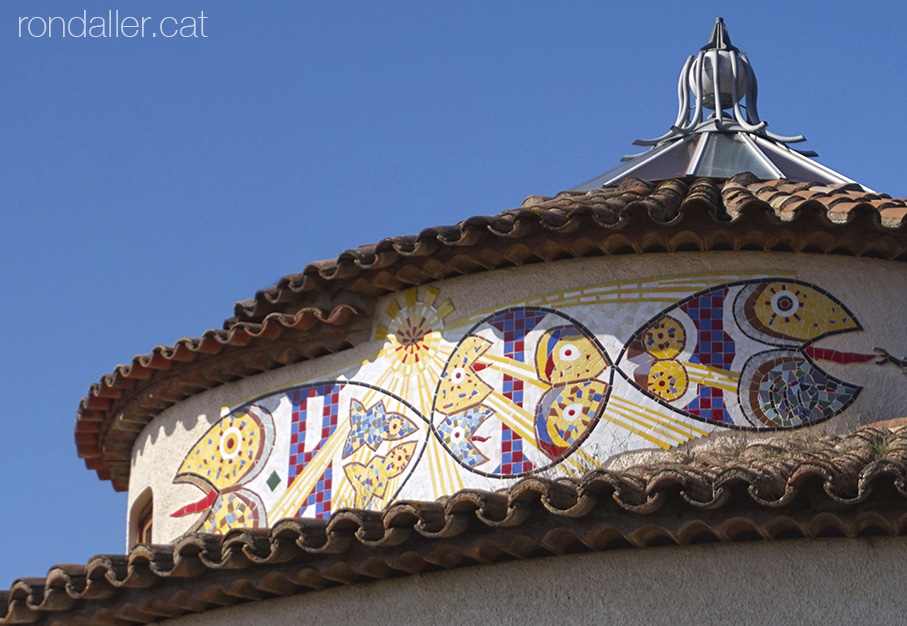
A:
[325,307]
[801,486]
[893,214]
[568,214]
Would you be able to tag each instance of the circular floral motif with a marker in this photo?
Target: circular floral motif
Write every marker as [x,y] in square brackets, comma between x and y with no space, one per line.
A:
[668,380]
[665,338]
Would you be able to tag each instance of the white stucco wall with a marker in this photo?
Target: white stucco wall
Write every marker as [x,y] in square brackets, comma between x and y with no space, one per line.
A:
[823,582]
[875,291]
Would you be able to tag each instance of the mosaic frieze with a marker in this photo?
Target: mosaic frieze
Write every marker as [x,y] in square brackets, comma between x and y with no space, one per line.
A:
[556,383]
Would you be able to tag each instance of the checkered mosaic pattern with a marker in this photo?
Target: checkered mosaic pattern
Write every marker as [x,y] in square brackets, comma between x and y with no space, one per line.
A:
[514,325]
[714,347]
[302,420]
[709,405]
[320,497]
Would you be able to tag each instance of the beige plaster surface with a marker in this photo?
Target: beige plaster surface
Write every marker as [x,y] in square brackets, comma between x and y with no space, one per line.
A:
[823,582]
[876,292]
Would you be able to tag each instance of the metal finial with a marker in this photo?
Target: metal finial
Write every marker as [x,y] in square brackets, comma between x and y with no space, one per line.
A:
[718,79]
[718,132]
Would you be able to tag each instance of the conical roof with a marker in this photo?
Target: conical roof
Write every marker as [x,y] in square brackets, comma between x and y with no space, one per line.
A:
[718,133]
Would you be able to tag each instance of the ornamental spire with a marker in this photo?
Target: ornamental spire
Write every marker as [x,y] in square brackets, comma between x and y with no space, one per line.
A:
[718,132]
[719,75]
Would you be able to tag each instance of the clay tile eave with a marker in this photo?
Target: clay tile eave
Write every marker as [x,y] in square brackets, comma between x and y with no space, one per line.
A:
[662,200]
[798,487]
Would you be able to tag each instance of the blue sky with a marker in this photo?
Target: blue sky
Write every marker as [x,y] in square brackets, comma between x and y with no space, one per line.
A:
[149,183]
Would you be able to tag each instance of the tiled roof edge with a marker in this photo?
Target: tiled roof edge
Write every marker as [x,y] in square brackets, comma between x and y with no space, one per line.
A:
[806,486]
[723,215]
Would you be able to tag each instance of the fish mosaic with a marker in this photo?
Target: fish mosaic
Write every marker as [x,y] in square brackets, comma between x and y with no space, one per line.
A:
[734,355]
[555,383]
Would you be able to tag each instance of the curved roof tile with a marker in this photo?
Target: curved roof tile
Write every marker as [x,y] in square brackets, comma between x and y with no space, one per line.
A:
[803,486]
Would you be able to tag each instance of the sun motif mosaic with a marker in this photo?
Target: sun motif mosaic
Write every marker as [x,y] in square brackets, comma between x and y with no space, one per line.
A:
[413,336]
[554,383]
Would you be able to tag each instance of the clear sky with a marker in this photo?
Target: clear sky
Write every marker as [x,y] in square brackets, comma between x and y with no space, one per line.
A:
[148,183]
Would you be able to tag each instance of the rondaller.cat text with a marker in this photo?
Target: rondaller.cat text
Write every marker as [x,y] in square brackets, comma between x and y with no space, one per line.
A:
[112,25]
